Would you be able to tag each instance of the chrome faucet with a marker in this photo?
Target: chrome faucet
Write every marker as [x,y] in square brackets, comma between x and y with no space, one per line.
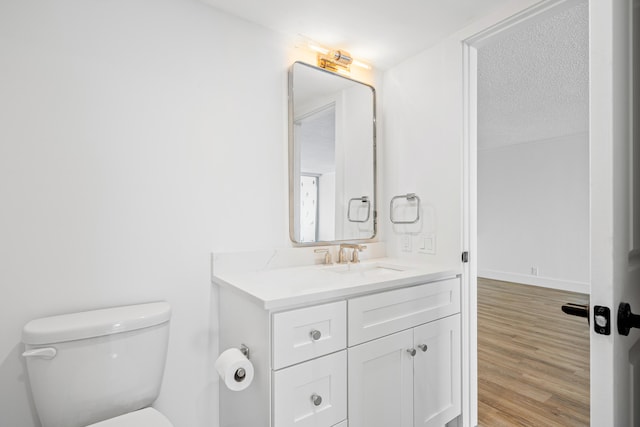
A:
[342,255]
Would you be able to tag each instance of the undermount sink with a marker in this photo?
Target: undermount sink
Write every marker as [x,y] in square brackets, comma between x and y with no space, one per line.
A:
[373,269]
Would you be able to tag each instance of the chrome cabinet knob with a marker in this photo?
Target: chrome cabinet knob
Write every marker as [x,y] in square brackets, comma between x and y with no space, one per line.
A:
[411,351]
[316,399]
[315,334]
[423,347]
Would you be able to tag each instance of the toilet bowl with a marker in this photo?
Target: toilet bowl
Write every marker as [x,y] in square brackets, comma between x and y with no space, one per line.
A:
[101,367]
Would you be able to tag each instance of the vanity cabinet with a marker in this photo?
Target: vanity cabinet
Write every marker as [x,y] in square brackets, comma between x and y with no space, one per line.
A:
[353,361]
[404,356]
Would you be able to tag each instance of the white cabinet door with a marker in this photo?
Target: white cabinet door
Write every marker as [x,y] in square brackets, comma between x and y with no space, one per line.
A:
[437,376]
[381,382]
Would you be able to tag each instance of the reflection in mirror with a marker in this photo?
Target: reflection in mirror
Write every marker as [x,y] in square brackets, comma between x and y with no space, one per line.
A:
[332,157]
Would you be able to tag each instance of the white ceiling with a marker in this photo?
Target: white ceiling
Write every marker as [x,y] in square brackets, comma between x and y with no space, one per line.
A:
[533,84]
[380,32]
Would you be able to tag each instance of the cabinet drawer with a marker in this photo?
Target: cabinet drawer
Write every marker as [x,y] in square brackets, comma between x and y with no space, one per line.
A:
[311,394]
[304,334]
[382,314]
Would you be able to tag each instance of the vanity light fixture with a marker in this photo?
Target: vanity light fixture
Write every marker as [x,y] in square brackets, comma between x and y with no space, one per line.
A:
[335,60]
[361,64]
[338,61]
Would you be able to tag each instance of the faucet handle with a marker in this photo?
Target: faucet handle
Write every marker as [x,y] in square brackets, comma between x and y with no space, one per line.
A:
[327,255]
[342,255]
[354,255]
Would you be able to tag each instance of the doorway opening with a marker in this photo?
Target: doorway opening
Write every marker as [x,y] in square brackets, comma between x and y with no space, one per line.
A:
[532,160]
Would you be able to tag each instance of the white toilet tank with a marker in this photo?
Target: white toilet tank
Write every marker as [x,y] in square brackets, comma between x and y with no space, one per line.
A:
[91,366]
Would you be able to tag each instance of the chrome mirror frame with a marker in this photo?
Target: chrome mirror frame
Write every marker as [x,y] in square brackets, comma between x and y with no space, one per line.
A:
[291,158]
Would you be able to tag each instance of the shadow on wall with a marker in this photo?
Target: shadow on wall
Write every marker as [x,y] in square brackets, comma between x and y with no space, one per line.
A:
[11,413]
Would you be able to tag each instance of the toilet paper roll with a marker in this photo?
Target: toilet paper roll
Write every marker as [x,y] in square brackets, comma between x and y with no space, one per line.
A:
[235,369]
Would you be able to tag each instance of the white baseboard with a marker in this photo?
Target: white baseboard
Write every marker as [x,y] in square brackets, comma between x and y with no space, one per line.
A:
[545,282]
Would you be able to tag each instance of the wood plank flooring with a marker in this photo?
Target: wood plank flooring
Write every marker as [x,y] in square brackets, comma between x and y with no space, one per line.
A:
[533,360]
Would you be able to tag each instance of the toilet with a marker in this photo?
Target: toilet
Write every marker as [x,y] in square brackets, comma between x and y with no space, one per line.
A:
[100,368]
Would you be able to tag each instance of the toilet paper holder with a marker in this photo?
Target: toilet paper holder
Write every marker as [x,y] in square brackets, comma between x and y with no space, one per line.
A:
[244,350]
[240,373]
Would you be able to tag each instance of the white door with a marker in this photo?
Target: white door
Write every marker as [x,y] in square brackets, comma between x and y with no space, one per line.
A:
[381,382]
[437,389]
[615,222]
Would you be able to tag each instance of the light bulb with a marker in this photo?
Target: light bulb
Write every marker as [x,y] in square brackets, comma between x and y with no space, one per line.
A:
[318,49]
[361,64]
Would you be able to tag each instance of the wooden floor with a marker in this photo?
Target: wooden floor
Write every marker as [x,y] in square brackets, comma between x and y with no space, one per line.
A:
[533,360]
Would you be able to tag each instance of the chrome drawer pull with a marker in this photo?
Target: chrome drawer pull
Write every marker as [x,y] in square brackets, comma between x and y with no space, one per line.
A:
[423,347]
[316,399]
[411,351]
[315,334]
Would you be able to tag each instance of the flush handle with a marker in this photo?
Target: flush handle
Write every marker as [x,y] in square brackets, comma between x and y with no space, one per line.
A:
[44,353]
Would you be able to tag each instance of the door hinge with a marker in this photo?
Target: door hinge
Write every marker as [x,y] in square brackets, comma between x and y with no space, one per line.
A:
[465,256]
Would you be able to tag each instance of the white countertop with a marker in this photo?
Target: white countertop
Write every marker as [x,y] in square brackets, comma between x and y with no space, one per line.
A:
[281,288]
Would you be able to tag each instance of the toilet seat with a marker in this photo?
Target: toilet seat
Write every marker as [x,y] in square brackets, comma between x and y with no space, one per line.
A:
[147,417]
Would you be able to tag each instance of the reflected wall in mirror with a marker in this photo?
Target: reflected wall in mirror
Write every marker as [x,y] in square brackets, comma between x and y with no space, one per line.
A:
[332,163]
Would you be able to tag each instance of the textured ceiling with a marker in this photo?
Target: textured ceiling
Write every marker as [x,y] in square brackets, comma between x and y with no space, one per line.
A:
[381,32]
[533,83]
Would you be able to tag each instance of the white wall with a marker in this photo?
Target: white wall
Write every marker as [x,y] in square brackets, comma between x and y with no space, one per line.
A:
[136,137]
[533,211]
[421,149]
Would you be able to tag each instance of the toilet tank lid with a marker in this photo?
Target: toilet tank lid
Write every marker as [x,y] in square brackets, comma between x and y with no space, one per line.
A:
[95,323]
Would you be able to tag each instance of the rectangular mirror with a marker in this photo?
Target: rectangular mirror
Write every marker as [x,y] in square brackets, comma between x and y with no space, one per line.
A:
[332,157]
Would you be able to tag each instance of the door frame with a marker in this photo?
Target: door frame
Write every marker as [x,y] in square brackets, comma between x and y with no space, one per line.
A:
[470,46]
